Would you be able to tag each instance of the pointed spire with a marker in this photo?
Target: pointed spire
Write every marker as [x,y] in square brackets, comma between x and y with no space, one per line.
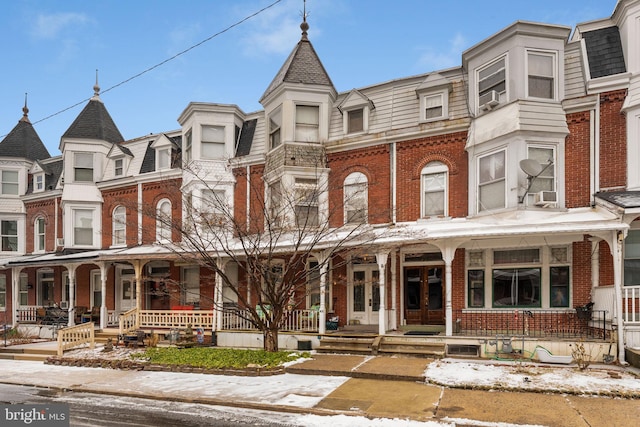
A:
[96,89]
[304,26]
[25,111]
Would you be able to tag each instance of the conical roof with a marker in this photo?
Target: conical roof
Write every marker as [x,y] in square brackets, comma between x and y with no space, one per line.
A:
[94,122]
[23,141]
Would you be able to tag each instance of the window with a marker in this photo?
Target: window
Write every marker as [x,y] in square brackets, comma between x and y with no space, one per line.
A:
[212,144]
[516,287]
[187,146]
[313,284]
[118,166]
[9,236]
[306,202]
[3,292]
[546,180]
[433,106]
[434,189]
[356,198]
[355,121]
[38,182]
[45,288]
[275,121]
[632,258]
[164,158]
[540,79]
[163,222]
[491,182]
[10,182]
[559,280]
[23,298]
[191,286]
[475,281]
[119,226]
[83,167]
[39,234]
[96,288]
[307,121]
[275,204]
[214,201]
[83,227]
[492,78]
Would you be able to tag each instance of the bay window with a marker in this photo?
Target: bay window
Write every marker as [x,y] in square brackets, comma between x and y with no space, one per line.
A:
[491,181]
[307,123]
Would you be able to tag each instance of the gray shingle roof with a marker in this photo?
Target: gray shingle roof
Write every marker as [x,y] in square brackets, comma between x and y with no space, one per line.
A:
[624,199]
[149,161]
[23,142]
[94,122]
[52,171]
[604,52]
[246,138]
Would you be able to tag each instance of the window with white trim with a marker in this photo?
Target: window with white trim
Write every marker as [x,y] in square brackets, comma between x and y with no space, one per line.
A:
[82,227]
[275,122]
[119,226]
[546,180]
[632,258]
[434,177]
[23,298]
[275,204]
[38,182]
[163,221]
[306,203]
[307,123]
[163,158]
[313,284]
[10,183]
[118,167]
[9,231]
[356,198]
[188,141]
[83,167]
[212,142]
[191,286]
[355,120]
[492,181]
[3,292]
[541,75]
[433,107]
[39,234]
[492,77]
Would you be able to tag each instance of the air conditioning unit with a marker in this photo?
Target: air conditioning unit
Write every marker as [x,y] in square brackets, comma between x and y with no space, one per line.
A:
[60,241]
[64,305]
[489,100]
[544,198]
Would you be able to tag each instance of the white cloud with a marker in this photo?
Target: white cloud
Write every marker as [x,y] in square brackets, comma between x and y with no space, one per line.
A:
[432,60]
[50,26]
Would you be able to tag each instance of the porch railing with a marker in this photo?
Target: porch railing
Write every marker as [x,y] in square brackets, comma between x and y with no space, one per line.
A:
[128,321]
[293,321]
[27,313]
[171,319]
[631,305]
[75,336]
[568,323]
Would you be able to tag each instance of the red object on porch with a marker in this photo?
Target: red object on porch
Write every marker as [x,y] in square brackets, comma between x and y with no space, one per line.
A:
[181,307]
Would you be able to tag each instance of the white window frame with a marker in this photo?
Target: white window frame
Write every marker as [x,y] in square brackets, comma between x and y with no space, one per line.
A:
[10,239]
[81,166]
[364,111]
[307,125]
[163,230]
[492,180]
[10,182]
[356,198]
[553,76]
[307,199]
[427,102]
[23,292]
[118,167]
[212,142]
[276,203]
[502,92]
[88,213]
[549,173]
[188,146]
[3,292]
[38,182]
[39,234]
[275,129]
[313,283]
[163,158]
[191,285]
[431,171]
[119,226]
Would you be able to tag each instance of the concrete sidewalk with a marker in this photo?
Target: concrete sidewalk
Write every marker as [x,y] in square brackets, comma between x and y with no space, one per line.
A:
[386,387]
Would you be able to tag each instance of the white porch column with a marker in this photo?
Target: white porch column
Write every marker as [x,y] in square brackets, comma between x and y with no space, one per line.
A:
[15,294]
[595,264]
[323,263]
[448,250]
[71,269]
[137,267]
[217,297]
[381,259]
[104,268]
[393,324]
[616,251]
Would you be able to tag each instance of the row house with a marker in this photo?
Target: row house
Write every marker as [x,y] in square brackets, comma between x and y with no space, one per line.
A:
[501,195]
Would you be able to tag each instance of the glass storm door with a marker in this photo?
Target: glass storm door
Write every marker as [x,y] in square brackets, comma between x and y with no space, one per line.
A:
[127,293]
[365,295]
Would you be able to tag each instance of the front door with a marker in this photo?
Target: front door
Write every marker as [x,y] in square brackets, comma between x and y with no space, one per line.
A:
[424,295]
[127,292]
[365,295]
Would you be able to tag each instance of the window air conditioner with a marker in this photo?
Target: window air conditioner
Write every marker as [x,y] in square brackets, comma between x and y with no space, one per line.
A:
[64,305]
[60,241]
[544,198]
[489,100]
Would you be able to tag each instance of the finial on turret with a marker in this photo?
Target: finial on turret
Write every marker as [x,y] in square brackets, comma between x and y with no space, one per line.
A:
[25,110]
[304,26]
[96,87]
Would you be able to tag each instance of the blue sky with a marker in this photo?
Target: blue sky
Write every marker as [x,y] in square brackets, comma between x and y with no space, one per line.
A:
[51,50]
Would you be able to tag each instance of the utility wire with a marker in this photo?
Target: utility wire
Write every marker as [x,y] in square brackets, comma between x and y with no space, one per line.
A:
[230,27]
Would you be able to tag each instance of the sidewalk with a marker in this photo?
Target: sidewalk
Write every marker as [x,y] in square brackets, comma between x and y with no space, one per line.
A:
[374,387]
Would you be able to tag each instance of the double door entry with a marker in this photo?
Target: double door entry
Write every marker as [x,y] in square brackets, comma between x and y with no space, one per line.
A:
[424,295]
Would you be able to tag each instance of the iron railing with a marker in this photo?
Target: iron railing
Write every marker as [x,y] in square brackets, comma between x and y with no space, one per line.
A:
[567,323]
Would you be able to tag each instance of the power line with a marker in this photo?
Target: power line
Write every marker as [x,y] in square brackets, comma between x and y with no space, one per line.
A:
[230,27]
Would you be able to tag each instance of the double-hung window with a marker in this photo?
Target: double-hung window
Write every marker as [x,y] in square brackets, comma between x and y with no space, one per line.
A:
[275,121]
[632,258]
[9,231]
[492,78]
[355,120]
[188,141]
[433,106]
[39,234]
[83,167]
[164,157]
[307,123]
[3,292]
[546,180]
[163,221]
[491,181]
[212,142]
[540,75]
[83,227]
[118,166]
[306,203]
[10,182]
[275,204]
[38,182]
[356,198]
[434,189]
[119,225]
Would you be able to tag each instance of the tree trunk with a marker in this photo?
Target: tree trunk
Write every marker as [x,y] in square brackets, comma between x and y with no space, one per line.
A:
[270,339]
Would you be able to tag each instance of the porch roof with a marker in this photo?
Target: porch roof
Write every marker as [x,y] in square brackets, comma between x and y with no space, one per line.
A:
[55,258]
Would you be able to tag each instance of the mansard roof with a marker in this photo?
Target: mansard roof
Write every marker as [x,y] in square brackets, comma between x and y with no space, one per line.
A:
[23,142]
[246,138]
[302,66]
[94,122]
[604,52]
[623,199]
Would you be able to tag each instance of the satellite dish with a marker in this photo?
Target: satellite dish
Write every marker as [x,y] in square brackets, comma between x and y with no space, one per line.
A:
[531,167]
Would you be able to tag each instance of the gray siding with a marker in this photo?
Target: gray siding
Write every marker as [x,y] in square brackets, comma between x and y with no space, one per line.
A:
[574,84]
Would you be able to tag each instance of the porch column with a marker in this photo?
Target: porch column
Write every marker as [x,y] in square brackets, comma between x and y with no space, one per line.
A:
[104,315]
[393,325]
[616,251]
[218,304]
[323,262]
[15,294]
[137,267]
[71,269]
[448,250]
[381,259]
[595,264]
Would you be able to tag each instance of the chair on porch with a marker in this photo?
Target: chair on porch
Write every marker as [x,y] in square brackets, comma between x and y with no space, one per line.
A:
[92,316]
[80,311]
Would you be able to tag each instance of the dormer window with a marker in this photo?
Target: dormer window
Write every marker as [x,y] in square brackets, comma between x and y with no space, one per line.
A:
[492,87]
[118,166]
[434,106]
[307,123]
[212,144]
[83,167]
[540,75]
[355,121]
[38,182]
[10,182]
[163,158]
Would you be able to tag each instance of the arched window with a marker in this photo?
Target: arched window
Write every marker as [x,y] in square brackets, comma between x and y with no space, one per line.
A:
[433,181]
[163,221]
[119,226]
[39,234]
[356,199]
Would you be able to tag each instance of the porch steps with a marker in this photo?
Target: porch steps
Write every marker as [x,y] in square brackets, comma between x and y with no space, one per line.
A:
[418,346]
[352,344]
[102,335]
[27,353]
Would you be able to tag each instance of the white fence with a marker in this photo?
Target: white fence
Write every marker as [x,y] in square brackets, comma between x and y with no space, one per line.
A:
[631,305]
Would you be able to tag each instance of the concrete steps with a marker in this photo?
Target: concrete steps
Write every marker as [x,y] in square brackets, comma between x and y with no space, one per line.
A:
[346,344]
[409,345]
[29,352]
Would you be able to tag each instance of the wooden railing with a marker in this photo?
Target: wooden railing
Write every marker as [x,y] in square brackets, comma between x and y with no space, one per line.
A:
[631,305]
[76,336]
[27,313]
[293,321]
[128,321]
[172,319]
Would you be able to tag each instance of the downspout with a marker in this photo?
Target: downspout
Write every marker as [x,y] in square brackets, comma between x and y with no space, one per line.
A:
[248,198]
[595,150]
[55,225]
[139,213]
[616,251]
[392,160]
